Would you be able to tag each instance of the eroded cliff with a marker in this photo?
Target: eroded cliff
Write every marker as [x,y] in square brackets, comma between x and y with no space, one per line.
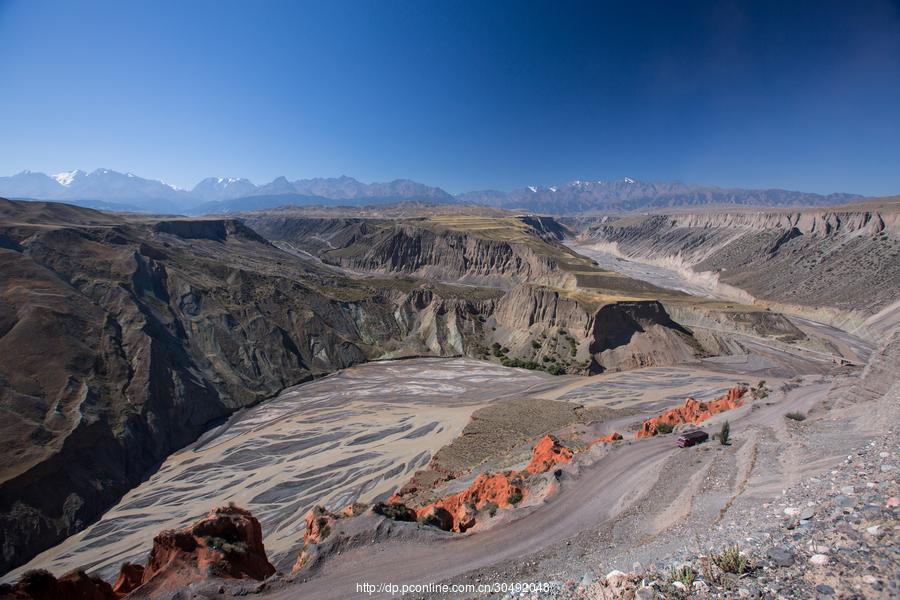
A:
[809,262]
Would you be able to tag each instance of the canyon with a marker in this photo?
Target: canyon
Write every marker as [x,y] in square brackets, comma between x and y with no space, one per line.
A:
[156,367]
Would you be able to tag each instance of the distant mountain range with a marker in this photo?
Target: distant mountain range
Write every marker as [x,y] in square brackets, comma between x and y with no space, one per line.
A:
[110,190]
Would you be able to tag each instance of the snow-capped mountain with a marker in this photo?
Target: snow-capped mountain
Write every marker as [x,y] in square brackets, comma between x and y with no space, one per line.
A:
[100,187]
[112,190]
[105,188]
[223,188]
[627,194]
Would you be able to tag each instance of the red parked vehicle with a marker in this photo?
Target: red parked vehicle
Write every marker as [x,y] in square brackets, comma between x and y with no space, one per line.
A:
[692,438]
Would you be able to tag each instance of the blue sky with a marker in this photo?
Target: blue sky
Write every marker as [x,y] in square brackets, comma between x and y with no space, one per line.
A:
[464,95]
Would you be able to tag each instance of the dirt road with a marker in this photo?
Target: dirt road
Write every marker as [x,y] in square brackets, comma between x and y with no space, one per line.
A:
[599,493]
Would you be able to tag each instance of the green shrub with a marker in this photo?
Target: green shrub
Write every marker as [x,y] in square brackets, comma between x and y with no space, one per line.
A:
[795,416]
[730,560]
[514,497]
[664,428]
[685,575]
[725,433]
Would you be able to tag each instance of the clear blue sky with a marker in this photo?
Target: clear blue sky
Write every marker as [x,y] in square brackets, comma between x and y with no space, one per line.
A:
[464,95]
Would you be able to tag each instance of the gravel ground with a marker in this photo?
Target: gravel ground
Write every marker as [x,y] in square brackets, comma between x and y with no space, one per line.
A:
[829,535]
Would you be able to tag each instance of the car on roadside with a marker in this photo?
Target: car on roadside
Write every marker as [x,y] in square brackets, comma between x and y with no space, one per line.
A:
[692,438]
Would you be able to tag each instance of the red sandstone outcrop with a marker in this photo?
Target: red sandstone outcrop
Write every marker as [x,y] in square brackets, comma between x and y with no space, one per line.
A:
[547,454]
[319,521]
[488,491]
[130,578]
[458,512]
[693,411]
[41,585]
[226,544]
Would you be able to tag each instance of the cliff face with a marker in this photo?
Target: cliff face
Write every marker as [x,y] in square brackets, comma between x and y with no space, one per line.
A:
[122,341]
[540,321]
[414,247]
[813,262]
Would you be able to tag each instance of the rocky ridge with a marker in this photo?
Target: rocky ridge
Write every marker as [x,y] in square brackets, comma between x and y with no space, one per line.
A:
[810,262]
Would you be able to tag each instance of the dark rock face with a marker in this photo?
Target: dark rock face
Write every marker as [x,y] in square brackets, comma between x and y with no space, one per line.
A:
[41,585]
[122,341]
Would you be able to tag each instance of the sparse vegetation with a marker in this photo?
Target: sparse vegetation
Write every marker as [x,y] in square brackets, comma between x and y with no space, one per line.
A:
[664,428]
[760,391]
[725,433]
[685,574]
[556,370]
[730,560]
[514,497]
[795,416]
[240,548]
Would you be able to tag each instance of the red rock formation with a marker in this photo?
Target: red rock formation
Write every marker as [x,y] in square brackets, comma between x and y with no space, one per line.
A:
[612,437]
[499,490]
[458,512]
[318,525]
[693,412]
[547,454]
[130,578]
[41,585]
[227,544]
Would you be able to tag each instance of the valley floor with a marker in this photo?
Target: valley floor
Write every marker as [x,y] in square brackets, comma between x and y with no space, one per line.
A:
[634,505]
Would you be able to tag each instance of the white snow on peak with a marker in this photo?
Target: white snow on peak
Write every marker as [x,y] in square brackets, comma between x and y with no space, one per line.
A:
[169,185]
[628,180]
[532,188]
[552,189]
[66,177]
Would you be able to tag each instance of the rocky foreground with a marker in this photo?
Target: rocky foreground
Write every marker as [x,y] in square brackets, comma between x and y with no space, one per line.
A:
[834,536]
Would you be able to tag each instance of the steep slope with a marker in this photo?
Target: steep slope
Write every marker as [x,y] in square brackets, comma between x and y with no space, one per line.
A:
[121,341]
[560,312]
[475,250]
[809,262]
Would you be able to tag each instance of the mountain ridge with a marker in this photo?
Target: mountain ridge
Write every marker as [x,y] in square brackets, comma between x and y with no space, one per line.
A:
[127,192]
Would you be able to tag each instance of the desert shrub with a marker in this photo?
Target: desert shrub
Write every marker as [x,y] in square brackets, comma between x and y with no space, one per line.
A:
[664,428]
[684,574]
[730,560]
[725,433]
[490,508]
[795,416]
[556,370]
[514,497]
[535,344]
[240,548]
